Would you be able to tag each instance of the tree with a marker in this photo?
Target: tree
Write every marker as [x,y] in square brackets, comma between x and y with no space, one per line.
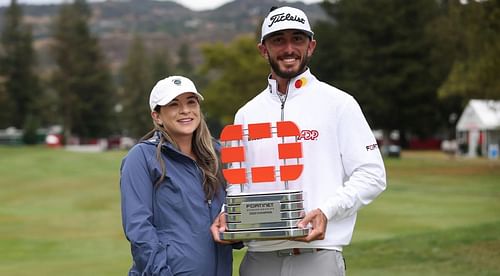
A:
[475,27]
[6,109]
[82,78]
[20,88]
[137,84]
[184,65]
[161,64]
[30,128]
[237,73]
[380,52]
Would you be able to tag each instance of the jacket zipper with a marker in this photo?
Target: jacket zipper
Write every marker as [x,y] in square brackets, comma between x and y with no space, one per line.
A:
[209,203]
[283,101]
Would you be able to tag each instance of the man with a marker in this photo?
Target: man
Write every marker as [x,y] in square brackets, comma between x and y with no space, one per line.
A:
[343,167]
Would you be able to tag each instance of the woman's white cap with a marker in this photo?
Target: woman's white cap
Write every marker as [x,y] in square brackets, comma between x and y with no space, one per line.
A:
[168,88]
[285,18]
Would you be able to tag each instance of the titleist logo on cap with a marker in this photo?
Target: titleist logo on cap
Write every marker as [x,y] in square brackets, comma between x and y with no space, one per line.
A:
[288,17]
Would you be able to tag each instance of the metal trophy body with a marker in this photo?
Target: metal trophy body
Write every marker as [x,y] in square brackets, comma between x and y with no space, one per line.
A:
[262,215]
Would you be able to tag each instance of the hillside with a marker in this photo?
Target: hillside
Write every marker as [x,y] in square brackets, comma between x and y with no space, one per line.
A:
[160,23]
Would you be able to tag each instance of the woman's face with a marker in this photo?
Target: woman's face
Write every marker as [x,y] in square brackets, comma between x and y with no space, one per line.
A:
[180,117]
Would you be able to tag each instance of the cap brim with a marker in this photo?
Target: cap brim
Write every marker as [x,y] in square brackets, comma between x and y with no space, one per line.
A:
[166,100]
[309,34]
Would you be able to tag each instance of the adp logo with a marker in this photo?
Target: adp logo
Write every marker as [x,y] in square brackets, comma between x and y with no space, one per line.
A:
[236,153]
[307,134]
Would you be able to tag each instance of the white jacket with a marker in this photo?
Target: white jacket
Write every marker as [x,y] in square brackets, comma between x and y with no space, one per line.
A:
[343,167]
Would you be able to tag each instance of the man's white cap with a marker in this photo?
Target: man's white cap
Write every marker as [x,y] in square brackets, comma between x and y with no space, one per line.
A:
[168,88]
[285,18]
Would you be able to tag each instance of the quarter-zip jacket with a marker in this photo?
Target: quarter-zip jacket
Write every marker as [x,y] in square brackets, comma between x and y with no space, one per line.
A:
[168,225]
[343,167]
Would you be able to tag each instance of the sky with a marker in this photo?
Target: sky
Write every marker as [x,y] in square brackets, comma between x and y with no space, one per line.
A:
[192,4]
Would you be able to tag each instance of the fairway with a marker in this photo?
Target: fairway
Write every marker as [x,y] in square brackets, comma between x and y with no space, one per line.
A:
[60,215]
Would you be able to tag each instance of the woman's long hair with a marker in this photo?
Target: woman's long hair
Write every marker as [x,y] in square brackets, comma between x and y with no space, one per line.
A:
[203,148]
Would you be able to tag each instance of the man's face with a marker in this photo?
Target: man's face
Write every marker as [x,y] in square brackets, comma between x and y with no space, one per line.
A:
[287,52]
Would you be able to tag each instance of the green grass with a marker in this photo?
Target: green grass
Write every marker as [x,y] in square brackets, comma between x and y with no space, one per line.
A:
[439,216]
[473,250]
[60,214]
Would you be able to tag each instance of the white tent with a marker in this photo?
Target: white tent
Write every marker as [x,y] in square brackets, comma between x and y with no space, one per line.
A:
[478,128]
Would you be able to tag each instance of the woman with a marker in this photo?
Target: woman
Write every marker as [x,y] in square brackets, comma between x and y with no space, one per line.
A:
[171,189]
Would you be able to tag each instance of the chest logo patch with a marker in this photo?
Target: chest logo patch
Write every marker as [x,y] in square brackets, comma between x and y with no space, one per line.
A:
[309,134]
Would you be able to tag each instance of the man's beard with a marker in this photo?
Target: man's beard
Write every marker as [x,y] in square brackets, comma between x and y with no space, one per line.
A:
[288,75]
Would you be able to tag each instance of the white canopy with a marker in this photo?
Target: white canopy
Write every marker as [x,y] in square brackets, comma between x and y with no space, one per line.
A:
[480,115]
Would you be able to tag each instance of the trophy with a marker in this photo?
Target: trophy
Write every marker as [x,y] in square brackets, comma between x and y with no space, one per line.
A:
[262,215]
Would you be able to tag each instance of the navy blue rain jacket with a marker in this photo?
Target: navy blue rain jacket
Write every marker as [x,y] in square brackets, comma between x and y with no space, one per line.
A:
[168,225]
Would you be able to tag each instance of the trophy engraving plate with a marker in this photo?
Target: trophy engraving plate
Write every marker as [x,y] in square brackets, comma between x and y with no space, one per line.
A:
[260,211]
[287,206]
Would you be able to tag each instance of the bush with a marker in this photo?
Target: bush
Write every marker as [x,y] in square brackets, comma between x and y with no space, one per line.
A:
[30,127]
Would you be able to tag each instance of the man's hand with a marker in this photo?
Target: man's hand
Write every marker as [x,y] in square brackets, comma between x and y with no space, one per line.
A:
[318,222]
[219,226]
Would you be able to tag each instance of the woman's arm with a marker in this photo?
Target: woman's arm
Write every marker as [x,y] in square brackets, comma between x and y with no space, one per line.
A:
[136,186]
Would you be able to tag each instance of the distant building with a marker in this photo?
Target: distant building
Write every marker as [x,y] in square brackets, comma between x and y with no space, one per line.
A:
[478,128]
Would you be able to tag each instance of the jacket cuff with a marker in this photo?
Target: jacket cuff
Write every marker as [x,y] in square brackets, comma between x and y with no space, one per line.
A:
[328,209]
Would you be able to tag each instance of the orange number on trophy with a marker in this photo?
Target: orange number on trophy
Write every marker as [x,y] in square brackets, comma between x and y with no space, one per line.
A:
[236,154]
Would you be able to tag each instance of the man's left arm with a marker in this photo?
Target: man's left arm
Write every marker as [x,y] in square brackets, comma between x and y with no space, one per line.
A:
[362,163]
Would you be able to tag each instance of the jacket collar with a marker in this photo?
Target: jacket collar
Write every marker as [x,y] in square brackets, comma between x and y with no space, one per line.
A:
[296,85]
[155,140]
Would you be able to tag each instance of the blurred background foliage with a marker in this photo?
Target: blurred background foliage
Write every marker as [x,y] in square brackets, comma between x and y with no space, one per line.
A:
[409,64]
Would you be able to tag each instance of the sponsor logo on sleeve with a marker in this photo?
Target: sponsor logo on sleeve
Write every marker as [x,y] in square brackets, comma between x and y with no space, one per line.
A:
[372,147]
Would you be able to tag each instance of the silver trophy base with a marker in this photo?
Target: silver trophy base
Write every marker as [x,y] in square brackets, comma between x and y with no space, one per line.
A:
[264,216]
[273,234]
